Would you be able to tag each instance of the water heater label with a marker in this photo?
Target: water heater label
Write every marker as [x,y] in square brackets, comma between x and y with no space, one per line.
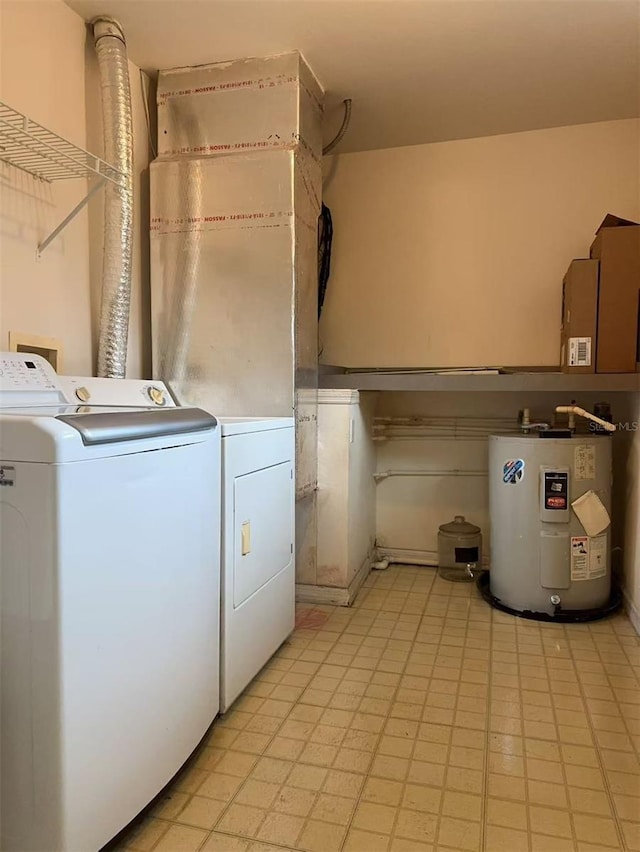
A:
[588,557]
[584,462]
[513,471]
[598,557]
[579,557]
[7,475]
[556,491]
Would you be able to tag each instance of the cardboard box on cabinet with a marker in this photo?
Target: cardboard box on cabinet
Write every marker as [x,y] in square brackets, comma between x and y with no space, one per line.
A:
[617,248]
[579,317]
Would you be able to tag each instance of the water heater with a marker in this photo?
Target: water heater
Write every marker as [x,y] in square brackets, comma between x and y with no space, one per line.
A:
[550,503]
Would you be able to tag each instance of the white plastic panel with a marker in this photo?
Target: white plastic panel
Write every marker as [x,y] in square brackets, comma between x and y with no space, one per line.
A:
[263,532]
[151,609]
[110,623]
[27,379]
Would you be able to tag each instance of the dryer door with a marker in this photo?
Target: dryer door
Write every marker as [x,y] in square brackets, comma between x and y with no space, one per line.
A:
[263,533]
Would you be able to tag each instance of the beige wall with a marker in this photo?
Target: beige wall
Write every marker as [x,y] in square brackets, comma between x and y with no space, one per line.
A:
[452,254]
[48,72]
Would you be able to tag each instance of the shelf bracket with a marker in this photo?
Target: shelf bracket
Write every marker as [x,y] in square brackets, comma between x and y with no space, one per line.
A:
[92,191]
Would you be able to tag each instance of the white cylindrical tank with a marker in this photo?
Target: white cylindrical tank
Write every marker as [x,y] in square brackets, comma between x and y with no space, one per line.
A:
[541,556]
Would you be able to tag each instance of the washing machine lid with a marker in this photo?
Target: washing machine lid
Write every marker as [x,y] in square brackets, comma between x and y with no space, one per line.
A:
[112,426]
[245,425]
[73,433]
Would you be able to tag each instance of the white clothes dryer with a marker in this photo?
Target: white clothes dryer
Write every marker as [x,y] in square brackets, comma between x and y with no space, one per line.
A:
[258,564]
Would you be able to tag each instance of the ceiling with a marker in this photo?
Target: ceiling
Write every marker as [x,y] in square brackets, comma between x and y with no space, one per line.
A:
[417,70]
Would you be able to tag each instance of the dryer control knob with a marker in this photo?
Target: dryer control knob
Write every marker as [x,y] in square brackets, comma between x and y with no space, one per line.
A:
[156,395]
[83,394]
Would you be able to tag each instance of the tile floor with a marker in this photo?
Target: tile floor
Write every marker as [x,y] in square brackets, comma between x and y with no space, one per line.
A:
[419,720]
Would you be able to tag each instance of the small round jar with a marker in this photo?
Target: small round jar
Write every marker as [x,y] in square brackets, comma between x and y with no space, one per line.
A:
[459,550]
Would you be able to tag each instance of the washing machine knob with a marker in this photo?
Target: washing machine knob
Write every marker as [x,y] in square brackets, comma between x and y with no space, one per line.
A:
[83,394]
[156,395]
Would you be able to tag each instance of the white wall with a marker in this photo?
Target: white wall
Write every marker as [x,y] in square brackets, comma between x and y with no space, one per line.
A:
[453,254]
[49,73]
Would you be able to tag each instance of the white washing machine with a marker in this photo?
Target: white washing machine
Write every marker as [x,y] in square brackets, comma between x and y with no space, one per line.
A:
[109,606]
[258,565]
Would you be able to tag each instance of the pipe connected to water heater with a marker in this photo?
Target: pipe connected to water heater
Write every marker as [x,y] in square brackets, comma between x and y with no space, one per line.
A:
[575,410]
[118,209]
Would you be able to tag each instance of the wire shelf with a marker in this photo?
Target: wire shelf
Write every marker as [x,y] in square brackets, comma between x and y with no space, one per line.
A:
[45,155]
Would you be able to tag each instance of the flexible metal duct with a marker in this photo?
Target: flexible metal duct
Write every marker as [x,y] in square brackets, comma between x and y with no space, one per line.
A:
[186,270]
[118,210]
[343,127]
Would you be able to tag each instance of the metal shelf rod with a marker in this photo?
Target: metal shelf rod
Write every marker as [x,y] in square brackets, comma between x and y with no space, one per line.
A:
[42,246]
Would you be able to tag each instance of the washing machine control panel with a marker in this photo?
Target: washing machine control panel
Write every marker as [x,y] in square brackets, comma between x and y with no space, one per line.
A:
[28,379]
[120,392]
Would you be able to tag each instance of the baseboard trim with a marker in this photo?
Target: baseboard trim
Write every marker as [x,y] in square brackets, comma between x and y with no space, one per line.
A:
[363,572]
[632,611]
[428,558]
[331,595]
